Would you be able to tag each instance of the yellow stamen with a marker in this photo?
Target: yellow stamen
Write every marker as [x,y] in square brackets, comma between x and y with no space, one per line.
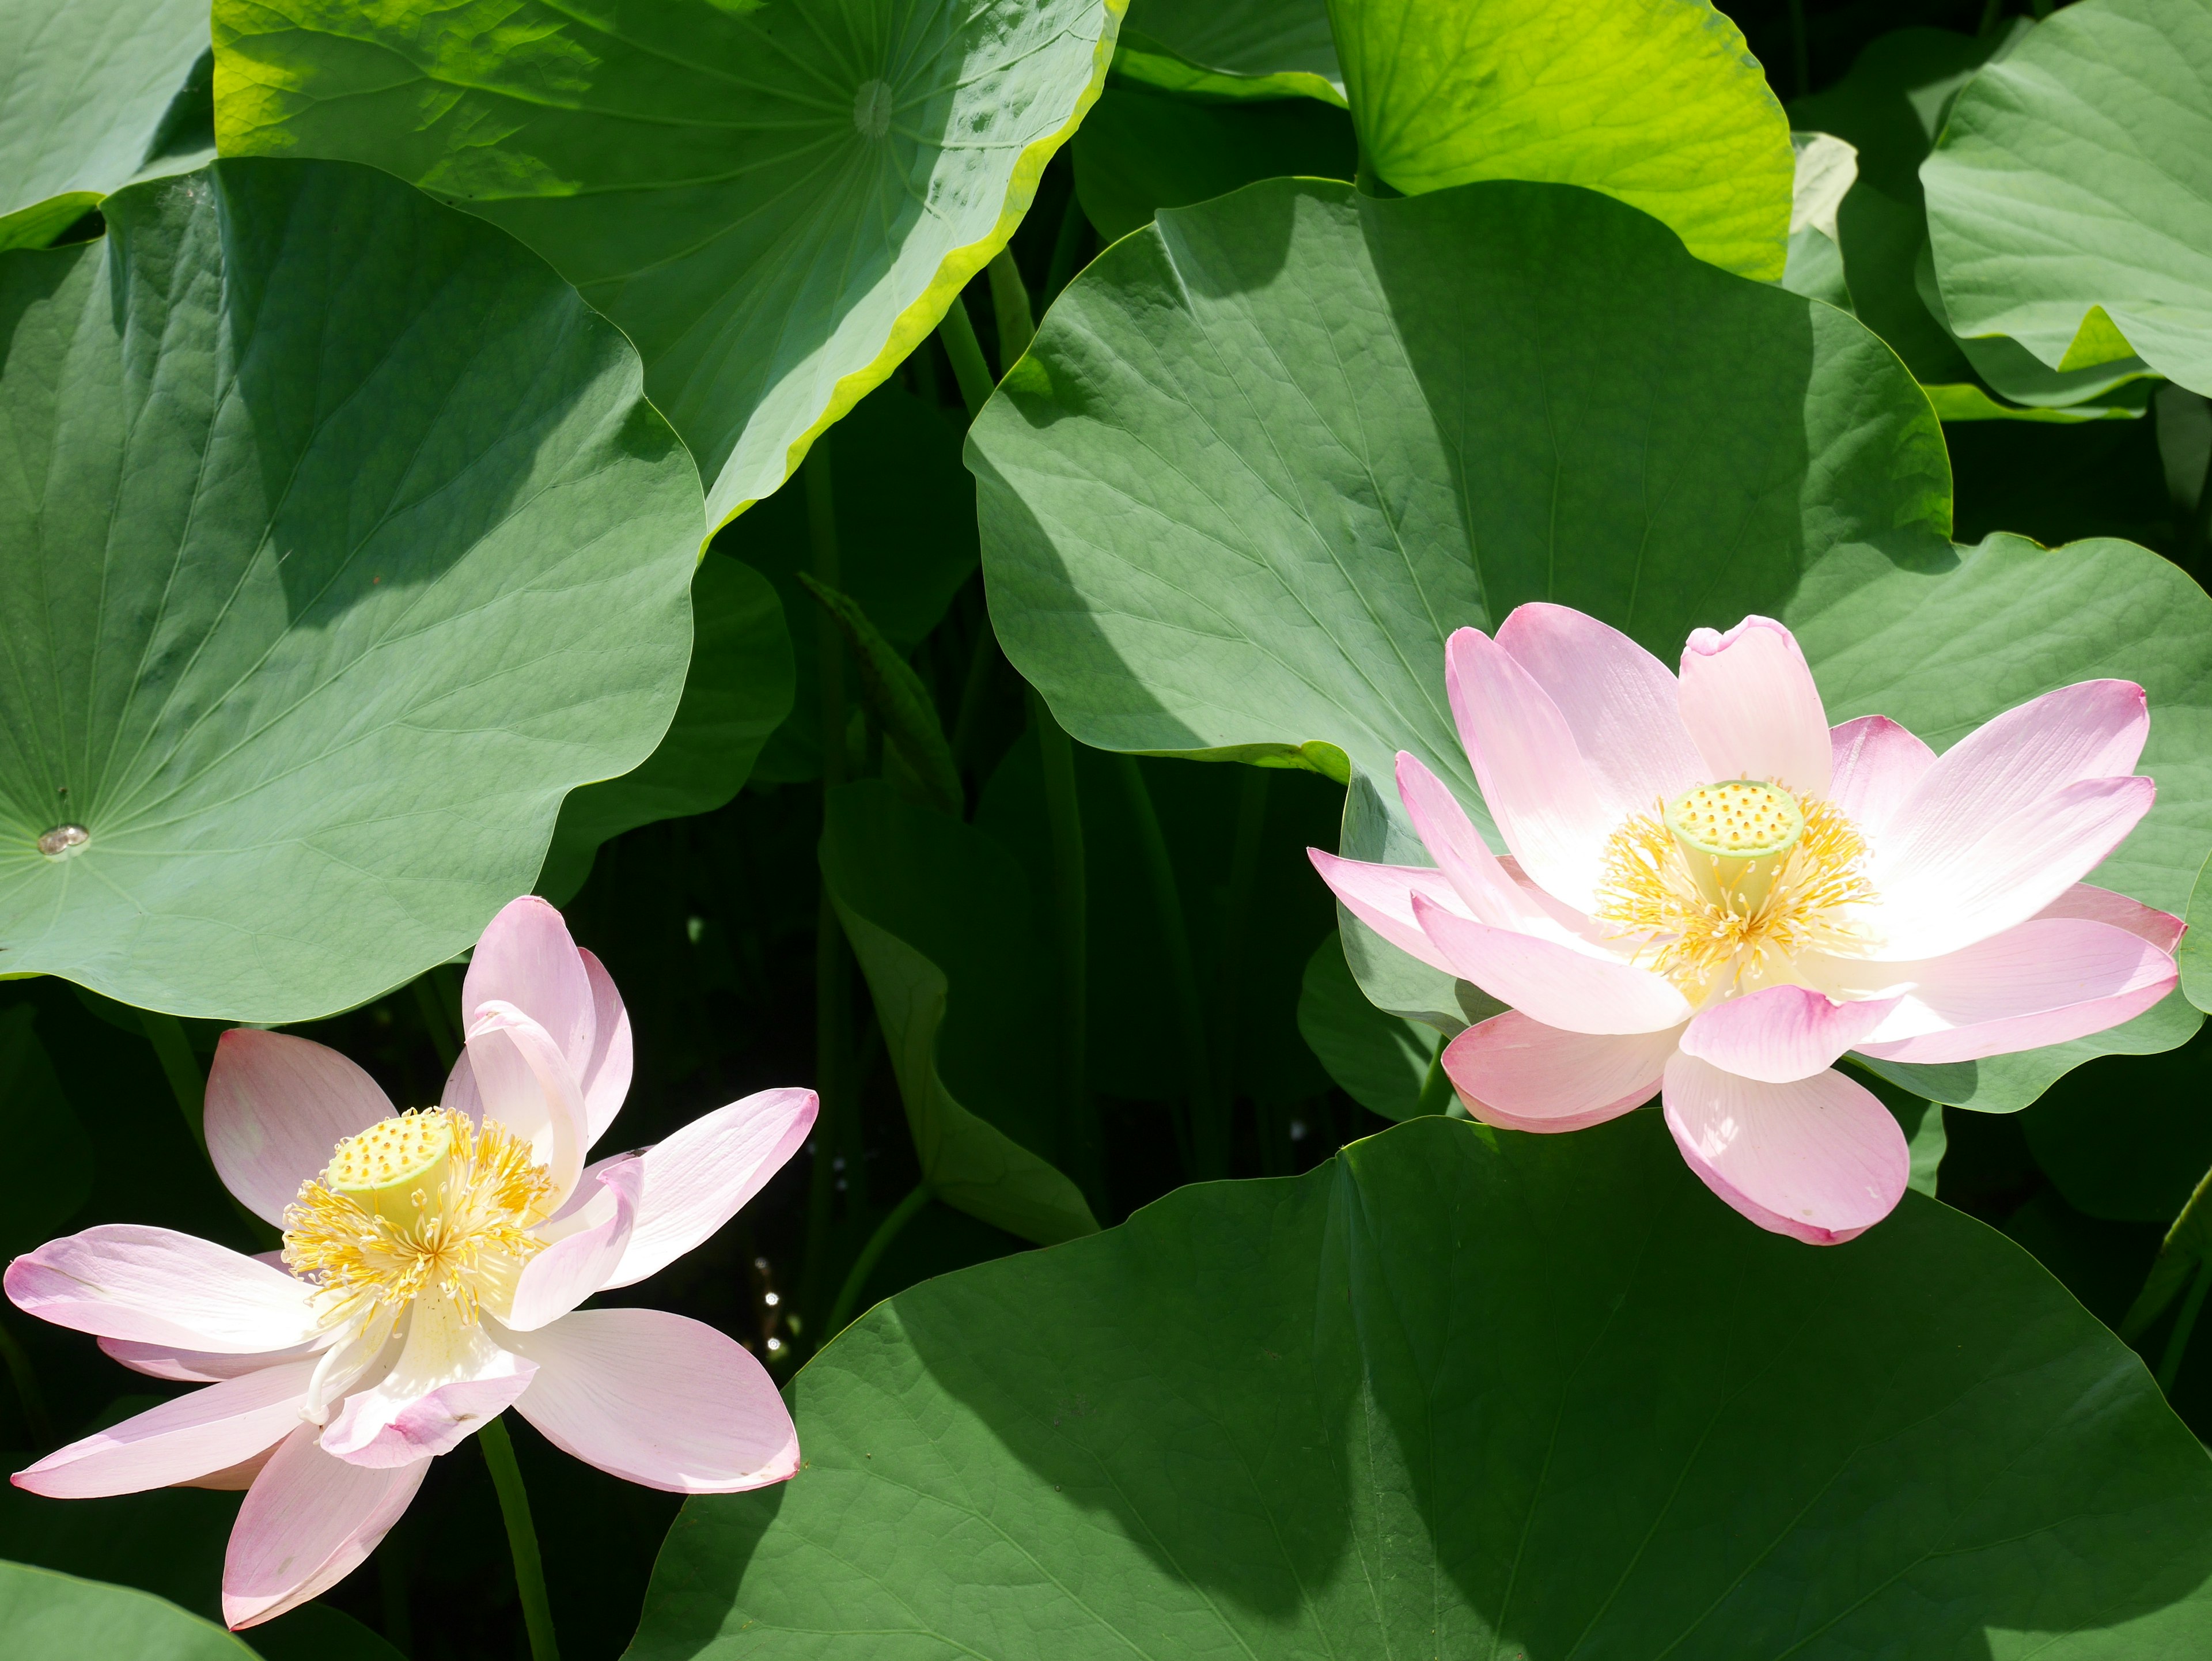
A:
[422,1201]
[1723,893]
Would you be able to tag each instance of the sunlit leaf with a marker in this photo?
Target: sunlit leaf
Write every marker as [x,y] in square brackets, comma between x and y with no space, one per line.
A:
[1657,102]
[1241,49]
[2070,199]
[341,545]
[776,202]
[1461,1392]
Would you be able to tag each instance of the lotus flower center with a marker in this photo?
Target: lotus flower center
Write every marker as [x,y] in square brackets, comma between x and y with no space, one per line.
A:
[422,1201]
[1734,837]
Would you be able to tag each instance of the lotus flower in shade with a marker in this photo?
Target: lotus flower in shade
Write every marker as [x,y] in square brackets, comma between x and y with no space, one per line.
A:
[432,1266]
[1712,896]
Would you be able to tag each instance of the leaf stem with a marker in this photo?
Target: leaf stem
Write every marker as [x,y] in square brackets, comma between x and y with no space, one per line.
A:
[1437,1095]
[1071,933]
[1209,1122]
[1010,302]
[1235,918]
[174,1052]
[981,661]
[887,1231]
[521,1540]
[958,332]
[1067,249]
[2177,1341]
[832,965]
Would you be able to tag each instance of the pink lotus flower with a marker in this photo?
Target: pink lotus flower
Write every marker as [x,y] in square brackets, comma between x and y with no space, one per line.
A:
[1712,896]
[435,1262]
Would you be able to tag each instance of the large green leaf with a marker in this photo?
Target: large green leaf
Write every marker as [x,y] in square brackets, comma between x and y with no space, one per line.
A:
[2070,194]
[2128,1138]
[1463,1393]
[736,692]
[939,918]
[1264,458]
[775,201]
[1657,102]
[1240,49]
[1383,1061]
[45,1617]
[89,94]
[1139,152]
[337,542]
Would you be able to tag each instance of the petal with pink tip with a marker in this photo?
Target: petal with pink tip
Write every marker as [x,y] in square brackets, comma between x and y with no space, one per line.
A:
[2094,729]
[1524,1075]
[2045,981]
[1949,884]
[1542,793]
[659,1400]
[1875,766]
[526,959]
[523,1081]
[199,1366]
[154,1286]
[1489,890]
[1782,1033]
[605,1076]
[1621,703]
[308,1521]
[194,1436]
[1555,984]
[451,1376]
[699,1178]
[1382,897]
[277,1106]
[2085,900]
[1750,702]
[1819,1160]
[578,1263]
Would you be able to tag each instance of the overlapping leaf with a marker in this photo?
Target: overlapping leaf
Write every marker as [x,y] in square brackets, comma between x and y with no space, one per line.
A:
[775,202]
[338,544]
[1456,1393]
[57,1617]
[1240,49]
[2070,199]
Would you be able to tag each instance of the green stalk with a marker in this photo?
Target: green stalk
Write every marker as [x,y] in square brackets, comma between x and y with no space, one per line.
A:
[521,1540]
[887,1231]
[1009,301]
[2177,1341]
[27,1393]
[1072,931]
[1437,1095]
[1066,250]
[958,332]
[174,1052]
[1235,918]
[973,692]
[1209,1126]
[832,964]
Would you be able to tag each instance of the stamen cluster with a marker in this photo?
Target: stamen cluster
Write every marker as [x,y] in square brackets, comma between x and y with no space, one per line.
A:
[466,1233]
[1708,949]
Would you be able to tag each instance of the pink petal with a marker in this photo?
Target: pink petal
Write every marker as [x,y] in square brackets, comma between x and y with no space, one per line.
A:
[451,1376]
[277,1106]
[526,959]
[208,1431]
[696,1180]
[578,1264]
[307,1522]
[154,1286]
[1621,703]
[197,1367]
[1552,983]
[2045,981]
[607,1073]
[2161,928]
[1877,765]
[1750,702]
[1781,1033]
[1542,794]
[1819,1160]
[1953,880]
[659,1400]
[523,1081]
[1517,1072]
[1382,897]
[1490,892]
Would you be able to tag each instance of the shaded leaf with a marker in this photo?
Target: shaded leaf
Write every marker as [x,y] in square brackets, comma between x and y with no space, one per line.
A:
[1242,49]
[45,1617]
[2126,1137]
[1139,152]
[344,546]
[1380,1059]
[45,1143]
[777,203]
[1457,1391]
[900,704]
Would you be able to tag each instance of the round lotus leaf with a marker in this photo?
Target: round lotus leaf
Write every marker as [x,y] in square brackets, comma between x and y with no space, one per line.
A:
[2069,198]
[776,201]
[339,543]
[1461,1392]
